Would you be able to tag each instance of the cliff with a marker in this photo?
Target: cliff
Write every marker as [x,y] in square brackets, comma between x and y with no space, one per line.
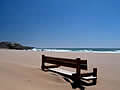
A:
[11,45]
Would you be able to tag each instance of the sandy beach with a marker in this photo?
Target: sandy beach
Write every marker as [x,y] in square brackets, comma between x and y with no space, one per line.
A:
[20,70]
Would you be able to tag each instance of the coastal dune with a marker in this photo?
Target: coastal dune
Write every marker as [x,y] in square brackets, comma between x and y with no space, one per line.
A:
[20,70]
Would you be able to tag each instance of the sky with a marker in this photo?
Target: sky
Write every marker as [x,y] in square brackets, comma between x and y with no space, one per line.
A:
[61,23]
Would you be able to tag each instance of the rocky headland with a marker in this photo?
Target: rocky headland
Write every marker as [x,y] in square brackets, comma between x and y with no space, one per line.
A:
[12,45]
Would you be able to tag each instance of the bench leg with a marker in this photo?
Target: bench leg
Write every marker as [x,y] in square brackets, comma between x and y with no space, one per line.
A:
[95,75]
[43,63]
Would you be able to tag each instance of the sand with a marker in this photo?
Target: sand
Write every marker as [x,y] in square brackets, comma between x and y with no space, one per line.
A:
[20,70]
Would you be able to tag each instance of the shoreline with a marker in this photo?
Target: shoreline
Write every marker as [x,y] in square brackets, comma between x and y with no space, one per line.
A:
[57,51]
[80,50]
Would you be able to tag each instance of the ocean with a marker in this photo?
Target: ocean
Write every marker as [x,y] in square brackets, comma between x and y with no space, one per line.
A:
[88,50]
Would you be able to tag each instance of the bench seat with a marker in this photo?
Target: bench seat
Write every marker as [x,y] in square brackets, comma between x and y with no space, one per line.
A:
[70,73]
[89,78]
[59,70]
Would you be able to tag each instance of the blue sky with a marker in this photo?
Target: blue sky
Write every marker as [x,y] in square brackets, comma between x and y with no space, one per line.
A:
[61,23]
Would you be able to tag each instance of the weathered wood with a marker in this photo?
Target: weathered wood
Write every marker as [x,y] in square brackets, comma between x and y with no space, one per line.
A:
[95,75]
[95,72]
[66,62]
[43,62]
[89,78]
[61,71]
[86,74]
[77,63]
[52,66]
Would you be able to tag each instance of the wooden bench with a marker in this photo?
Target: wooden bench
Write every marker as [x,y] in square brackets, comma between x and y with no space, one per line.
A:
[77,63]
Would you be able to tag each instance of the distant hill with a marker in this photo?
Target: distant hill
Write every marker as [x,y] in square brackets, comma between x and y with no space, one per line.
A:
[12,45]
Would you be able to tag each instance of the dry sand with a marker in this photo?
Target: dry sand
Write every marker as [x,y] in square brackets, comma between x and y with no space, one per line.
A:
[20,70]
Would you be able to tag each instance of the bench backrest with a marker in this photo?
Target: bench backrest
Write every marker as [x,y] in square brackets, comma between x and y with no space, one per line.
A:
[73,63]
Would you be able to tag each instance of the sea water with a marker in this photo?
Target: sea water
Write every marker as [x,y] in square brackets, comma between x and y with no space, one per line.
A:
[88,50]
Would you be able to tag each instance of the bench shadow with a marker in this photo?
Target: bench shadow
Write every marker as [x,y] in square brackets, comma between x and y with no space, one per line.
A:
[81,84]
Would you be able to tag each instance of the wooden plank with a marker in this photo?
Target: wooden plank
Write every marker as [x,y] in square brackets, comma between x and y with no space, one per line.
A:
[86,74]
[51,66]
[58,70]
[65,60]
[61,63]
[89,78]
[72,65]
[78,66]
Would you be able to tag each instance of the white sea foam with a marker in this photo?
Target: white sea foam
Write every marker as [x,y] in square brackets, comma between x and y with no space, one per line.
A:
[91,51]
[34,49]
[57,50]
[68,50]
[88,51]
[117,51]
